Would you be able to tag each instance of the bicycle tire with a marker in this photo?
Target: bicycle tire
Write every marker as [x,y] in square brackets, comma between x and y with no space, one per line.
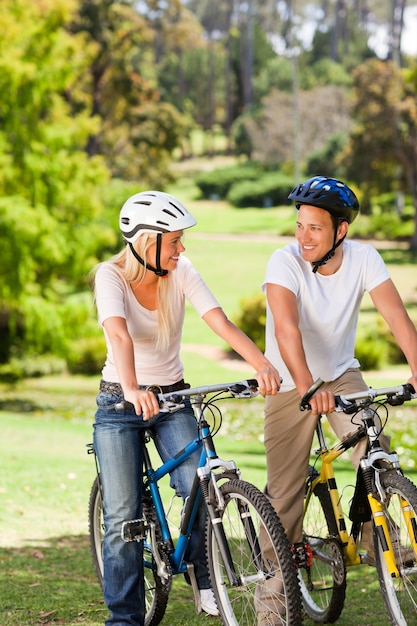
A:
[248,512]
[400,594]
[323,584]
[156,590]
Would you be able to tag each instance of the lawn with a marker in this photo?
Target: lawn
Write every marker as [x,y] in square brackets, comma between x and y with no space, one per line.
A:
[46,573]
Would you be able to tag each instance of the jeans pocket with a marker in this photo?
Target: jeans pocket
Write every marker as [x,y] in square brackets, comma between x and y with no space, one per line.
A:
[107,400]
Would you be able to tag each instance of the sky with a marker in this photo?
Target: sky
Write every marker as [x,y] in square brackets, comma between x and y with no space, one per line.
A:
[378,42]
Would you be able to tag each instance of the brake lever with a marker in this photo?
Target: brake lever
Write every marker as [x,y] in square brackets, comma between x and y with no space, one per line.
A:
[305,400]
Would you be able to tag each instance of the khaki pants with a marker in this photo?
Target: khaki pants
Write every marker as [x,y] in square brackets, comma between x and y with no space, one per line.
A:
[289,434]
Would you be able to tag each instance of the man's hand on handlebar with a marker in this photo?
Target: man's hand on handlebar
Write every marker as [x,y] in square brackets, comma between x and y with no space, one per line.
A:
[322,402]
[317,400]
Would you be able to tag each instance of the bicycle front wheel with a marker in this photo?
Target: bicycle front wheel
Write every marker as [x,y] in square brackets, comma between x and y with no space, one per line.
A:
[156,590]
[323,583]
[400,508]
[266,583]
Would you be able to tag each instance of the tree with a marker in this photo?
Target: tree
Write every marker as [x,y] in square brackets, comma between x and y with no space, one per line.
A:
[48,184]
[137,133]
[382,153]
[323,111]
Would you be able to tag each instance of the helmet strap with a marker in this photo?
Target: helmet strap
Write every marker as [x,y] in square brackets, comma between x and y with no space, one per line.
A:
[330,254]
[156,270]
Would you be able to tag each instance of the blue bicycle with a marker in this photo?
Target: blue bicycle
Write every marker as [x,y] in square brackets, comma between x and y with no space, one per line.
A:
[240,519]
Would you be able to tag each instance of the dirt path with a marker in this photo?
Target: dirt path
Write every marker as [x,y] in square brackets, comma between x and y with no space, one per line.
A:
[219,355]
[281,239]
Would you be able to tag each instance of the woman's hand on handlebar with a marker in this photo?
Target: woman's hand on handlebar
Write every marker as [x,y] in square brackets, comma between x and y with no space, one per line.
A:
[145,402]
[269,380]
[413,381]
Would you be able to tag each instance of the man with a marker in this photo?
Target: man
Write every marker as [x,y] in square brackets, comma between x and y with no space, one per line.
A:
[314,287]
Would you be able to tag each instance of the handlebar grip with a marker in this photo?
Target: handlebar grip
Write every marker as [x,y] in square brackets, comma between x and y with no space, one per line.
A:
[410,388]
[305,400]
[124,405]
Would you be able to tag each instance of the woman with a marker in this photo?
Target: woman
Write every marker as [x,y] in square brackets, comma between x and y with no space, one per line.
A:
[140,296]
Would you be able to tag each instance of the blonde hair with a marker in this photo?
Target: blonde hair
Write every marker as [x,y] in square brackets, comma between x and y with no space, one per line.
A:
[134,272]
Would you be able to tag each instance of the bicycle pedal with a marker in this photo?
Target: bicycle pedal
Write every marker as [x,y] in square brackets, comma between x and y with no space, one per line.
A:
[133,530]
[302,555]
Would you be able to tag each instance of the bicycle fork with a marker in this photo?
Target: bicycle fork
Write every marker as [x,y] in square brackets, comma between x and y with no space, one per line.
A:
[377,496]
[215,503]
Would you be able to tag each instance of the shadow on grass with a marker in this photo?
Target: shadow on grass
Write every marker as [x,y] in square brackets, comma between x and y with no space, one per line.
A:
[52,582]
[19,405]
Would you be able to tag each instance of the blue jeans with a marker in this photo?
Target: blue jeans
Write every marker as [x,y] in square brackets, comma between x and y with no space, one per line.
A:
[117,442]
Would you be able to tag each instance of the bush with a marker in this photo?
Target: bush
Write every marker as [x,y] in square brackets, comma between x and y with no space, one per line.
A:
[31,366]
[371,352]
[252,319]
[87,356]
[270,190]
[215,184]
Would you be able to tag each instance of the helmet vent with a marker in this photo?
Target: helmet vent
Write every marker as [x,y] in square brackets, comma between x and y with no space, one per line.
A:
[177,208]
[170,213]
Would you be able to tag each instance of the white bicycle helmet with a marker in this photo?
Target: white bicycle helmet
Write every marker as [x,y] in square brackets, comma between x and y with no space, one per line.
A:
[153,211]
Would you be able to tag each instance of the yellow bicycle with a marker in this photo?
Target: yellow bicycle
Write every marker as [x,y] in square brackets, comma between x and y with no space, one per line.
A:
[382,494]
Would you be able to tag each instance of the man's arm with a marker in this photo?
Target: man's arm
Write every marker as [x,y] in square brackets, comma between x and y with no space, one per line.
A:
[283,305]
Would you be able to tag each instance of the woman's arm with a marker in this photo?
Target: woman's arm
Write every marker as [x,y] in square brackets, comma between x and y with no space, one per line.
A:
[266,374]
[144,402]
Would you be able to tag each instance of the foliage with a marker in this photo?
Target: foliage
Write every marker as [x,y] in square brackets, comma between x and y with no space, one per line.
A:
[270,189]
[382,154]
[216,183]
[311,118]
[98,96]
[49,185]
[252,319]
[326,158]
[137,133]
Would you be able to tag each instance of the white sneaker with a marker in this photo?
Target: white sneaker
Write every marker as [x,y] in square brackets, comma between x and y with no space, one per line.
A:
[208,603]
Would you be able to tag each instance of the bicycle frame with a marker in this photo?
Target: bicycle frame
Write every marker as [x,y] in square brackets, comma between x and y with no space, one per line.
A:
[326,475]
[208,463]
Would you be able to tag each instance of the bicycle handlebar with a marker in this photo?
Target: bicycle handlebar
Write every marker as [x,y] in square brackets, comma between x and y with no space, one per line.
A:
[172,401]
[351,402]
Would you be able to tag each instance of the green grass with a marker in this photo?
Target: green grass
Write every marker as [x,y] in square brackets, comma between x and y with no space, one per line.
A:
[46,572]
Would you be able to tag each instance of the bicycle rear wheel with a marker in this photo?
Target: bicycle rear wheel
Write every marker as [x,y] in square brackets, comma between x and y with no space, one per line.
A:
[249,520]
[323,584]
[156,590]
[400,594]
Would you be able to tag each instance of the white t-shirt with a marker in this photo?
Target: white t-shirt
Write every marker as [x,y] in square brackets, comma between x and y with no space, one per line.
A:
[115,298]
[328,307]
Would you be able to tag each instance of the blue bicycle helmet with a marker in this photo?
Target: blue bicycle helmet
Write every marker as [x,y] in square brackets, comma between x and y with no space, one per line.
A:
[329,194]
[333,196]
